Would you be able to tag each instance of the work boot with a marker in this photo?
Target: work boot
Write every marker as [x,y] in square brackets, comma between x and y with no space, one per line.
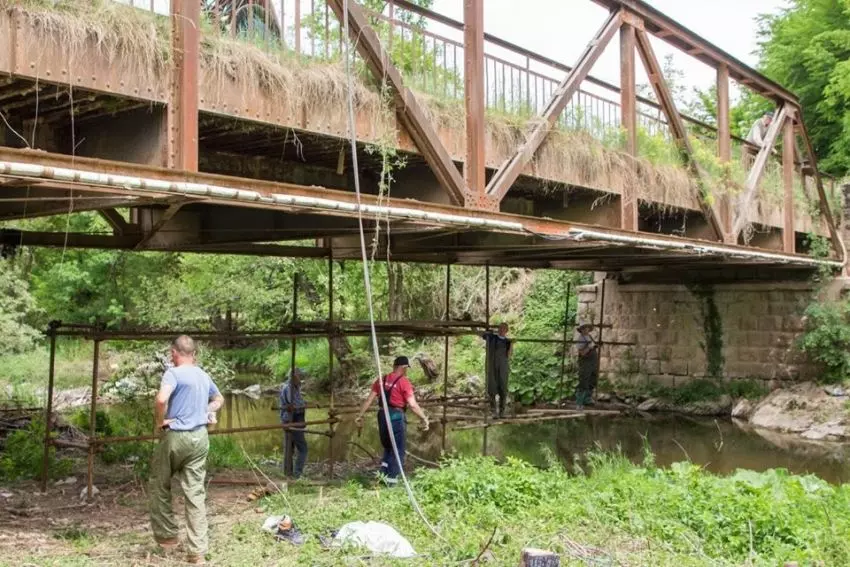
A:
[169,543]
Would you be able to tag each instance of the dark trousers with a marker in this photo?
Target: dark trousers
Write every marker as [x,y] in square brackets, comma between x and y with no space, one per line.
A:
[588,375]
[389,465]
[294,440]
[497,383]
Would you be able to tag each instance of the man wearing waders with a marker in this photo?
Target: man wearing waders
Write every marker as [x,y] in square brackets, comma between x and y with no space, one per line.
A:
[499,350]
[399,394]
[588,366]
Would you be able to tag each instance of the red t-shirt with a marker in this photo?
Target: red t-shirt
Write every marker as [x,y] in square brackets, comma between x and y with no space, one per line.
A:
[398,390]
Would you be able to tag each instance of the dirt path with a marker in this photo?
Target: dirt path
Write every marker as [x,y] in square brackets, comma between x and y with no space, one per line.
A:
[56,528]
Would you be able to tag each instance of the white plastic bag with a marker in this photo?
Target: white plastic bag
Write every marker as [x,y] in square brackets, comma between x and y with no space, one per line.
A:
[376,537]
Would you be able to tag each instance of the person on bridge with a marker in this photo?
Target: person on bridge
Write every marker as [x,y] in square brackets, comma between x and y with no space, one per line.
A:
[400,396]
[756,136]
[293,410]
[498,365]
[186,398]
[588,366]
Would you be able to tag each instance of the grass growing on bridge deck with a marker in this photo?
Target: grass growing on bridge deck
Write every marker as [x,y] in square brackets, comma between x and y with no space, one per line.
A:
[140,39]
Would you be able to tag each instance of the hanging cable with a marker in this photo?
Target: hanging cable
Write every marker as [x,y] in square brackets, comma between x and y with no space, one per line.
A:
[367,284]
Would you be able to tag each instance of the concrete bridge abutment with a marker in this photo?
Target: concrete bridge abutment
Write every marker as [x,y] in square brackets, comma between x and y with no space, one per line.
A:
[681,332]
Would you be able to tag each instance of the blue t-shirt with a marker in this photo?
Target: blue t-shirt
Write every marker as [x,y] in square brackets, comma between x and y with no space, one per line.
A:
[290,396]
[193,389]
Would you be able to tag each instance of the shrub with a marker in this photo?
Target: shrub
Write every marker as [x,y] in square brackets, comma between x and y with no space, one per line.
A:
[827,339]
[23,454]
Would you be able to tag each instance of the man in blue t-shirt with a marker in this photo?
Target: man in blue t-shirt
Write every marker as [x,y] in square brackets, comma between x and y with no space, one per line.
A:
[186,400]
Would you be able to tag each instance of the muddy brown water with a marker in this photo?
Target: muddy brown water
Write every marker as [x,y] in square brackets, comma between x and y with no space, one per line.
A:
[719,445]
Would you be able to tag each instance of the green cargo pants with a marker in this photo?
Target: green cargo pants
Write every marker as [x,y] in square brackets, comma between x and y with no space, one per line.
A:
[182,453]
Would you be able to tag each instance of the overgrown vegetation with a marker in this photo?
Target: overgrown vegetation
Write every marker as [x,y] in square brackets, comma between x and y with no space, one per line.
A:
[632,514]
[23,454]
[827,338]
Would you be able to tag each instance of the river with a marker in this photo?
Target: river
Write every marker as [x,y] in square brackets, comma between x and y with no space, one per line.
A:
[718,445]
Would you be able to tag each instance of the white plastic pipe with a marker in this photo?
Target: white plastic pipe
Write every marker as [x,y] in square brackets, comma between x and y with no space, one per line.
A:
[132,183]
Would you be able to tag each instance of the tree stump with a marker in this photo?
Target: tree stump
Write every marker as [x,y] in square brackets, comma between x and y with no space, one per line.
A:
[429,367]
[539,558]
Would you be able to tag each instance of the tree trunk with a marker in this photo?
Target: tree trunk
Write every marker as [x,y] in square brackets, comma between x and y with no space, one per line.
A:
[395,275]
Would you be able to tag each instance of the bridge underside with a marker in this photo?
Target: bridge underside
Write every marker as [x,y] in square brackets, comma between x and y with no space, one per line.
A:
[202,213]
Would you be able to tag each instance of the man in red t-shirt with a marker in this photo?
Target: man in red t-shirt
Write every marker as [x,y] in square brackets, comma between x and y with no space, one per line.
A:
[399,395]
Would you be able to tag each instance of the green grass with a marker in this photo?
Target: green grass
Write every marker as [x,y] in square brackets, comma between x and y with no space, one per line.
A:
[27,372]
[618,512]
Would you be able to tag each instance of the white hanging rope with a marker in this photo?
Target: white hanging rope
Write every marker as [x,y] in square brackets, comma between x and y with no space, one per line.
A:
[367,283]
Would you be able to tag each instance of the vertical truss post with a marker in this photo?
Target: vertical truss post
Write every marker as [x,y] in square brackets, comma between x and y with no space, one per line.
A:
[788,145]
[601,327]
[183,100]
[48,410]
[288,441]
[486,358]
[566,335]
[446,355]
[628,117]
[473,78]
[724,148]
[331,410]
[92,419]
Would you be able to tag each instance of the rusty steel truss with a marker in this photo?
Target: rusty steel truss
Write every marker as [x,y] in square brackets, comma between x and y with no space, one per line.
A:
[472,193]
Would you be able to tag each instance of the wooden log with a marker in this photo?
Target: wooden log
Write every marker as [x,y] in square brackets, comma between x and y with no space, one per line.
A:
[539,558]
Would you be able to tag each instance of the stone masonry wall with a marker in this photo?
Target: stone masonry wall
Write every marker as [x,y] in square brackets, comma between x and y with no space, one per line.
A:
[737,331]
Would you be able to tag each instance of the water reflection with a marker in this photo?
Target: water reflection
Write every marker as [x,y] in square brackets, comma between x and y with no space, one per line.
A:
[718,445]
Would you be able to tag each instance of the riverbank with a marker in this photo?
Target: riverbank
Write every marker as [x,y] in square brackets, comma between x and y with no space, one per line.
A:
[607,511]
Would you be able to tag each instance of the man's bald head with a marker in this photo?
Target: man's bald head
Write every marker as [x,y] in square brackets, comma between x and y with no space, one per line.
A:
[183,347]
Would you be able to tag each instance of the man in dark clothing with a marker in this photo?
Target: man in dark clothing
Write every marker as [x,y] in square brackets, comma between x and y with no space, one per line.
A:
[588,366]
[499,350]
[292,410]
[399,393]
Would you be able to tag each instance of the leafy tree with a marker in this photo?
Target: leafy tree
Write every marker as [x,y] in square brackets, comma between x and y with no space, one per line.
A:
[17,307]
[807,48]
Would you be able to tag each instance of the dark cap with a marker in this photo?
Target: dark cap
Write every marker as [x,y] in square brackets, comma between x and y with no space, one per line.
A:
[584,326]
[401,361]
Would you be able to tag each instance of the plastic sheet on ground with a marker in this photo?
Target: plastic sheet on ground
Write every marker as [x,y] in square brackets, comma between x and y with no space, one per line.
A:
[376,537]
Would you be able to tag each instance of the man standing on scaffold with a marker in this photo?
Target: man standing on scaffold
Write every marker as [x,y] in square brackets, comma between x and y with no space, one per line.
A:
[399,394]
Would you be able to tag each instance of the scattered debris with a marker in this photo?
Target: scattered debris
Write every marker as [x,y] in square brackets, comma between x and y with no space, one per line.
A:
[835,391]
[376,537]
[84,492]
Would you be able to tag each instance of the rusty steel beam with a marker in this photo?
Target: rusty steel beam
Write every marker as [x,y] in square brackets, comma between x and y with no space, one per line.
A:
[409,111]
[508,173]
[677,126]
[724,147]
[788,144]
[628,119]
[183,96]
[473,76]
[119,226]
[825,211]
[685,40]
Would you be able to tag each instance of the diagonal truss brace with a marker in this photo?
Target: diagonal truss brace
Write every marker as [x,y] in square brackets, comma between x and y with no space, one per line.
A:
[757,171]
[511,169]
[825,211]
[677,126]
[409,112]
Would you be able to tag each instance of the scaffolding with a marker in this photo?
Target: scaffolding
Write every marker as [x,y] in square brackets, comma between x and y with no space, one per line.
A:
[473,406]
